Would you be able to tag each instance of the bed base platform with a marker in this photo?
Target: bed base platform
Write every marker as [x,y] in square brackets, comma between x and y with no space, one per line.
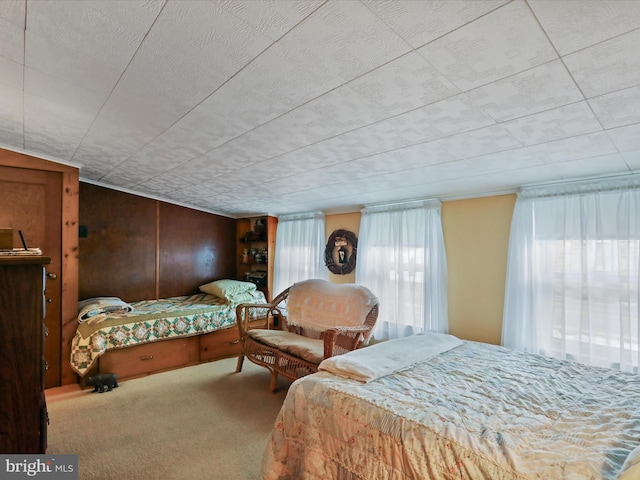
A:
[170,354]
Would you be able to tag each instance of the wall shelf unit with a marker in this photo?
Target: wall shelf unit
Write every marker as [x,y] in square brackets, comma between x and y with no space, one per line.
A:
[256,239]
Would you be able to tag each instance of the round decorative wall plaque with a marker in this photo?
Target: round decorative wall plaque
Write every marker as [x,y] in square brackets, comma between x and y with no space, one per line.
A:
[340,253]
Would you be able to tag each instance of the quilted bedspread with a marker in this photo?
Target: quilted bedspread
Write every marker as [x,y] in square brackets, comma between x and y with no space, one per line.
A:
[153,320]
[477,411]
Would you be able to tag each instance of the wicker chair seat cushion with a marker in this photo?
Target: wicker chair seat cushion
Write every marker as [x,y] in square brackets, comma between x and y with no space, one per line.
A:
[309,349]
[322,305]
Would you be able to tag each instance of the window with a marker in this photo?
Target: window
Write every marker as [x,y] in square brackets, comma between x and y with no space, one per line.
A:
[572,281]
[299,250]
[401,258]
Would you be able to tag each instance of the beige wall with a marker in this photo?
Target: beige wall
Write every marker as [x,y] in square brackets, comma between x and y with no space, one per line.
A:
[345,221]
[476,236]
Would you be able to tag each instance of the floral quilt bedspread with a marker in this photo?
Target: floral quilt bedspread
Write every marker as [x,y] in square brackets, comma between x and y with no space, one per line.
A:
[153,320]
[476,411]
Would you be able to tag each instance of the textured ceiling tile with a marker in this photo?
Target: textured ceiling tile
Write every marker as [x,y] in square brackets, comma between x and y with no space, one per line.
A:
[378,137]
[186,55]
[203,129]
[11,116]
[123,126]
[632,159]
[447,117]
[194,135]
[189,175]
[493,182]
[232,156]
[197,44]
[422,22]
[270,18]
[12,74]
[607,66]
[93,171]
[506,161]
[626,138]
[92,73]
[90,43]
[99,160]
[266,142]
[11,41]
[52,128]
[563,122]
[426,174]
[284,166]
[574,25]
[72,99]
[393,162]
[420,155]
[166,185]
[535,90]
[310,180]
[242,107]
[13,11]
[583,146]
[344,39]
[607,164]
[404,84]
[205,102]
[282,76]
[118,26]
[502,43]
[494,138]
[130,173]
[347,108]
[619,108]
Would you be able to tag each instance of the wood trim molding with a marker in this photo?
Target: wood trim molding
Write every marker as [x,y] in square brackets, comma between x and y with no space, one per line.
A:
[69,275]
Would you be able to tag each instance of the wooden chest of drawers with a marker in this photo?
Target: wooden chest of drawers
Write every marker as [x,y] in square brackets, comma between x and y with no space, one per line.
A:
[23,410]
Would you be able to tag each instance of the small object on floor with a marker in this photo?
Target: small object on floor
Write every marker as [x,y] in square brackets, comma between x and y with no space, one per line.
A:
[102,381]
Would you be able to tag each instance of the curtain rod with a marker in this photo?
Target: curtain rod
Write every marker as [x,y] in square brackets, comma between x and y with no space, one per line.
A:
[583,181]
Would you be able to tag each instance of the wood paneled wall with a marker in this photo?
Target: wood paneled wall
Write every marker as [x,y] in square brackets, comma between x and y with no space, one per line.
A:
[138,248]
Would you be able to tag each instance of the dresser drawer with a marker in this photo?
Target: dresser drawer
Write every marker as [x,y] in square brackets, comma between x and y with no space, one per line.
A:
[220,344]
[149,358]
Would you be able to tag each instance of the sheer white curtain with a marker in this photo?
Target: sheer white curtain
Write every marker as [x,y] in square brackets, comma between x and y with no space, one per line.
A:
[572,276]
[299,255]
[401,258]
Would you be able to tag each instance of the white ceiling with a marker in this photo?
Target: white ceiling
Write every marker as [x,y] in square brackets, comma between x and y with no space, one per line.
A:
[245,107]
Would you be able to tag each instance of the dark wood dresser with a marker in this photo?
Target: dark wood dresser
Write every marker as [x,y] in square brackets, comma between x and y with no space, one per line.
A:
[23,410]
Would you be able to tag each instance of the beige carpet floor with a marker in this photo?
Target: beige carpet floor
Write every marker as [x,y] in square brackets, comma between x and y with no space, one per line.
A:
[200,422]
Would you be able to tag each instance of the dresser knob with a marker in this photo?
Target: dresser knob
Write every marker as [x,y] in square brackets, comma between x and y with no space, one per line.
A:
[52,275]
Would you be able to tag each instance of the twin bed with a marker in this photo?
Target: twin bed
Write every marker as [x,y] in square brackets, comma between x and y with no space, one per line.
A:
[107,324]
[435,407]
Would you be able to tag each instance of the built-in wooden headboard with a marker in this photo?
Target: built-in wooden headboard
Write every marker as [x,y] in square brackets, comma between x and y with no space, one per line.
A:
[138,248]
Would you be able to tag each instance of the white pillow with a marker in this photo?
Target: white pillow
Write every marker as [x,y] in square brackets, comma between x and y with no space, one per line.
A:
[228,289]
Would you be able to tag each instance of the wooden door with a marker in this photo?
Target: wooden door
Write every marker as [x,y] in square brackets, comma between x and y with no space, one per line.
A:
[31,202]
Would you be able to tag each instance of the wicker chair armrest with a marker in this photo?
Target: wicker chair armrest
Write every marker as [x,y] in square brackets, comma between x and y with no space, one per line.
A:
[243,316]
[350,334]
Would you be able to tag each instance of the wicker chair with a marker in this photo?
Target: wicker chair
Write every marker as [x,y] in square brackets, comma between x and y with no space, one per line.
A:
[315,320]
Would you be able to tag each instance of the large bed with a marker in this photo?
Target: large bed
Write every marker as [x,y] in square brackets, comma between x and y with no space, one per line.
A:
[108,324]
[435,407]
